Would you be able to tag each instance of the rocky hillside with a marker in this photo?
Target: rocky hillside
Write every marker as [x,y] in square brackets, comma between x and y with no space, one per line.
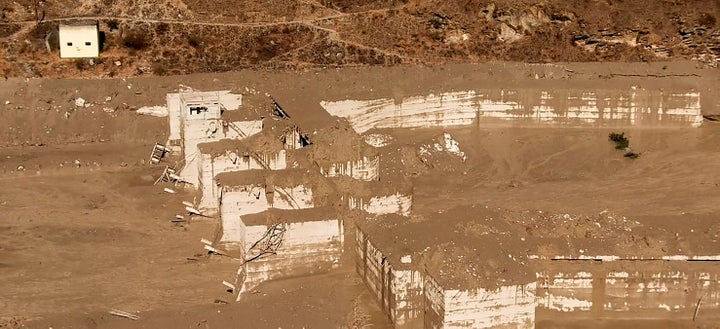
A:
[187,36]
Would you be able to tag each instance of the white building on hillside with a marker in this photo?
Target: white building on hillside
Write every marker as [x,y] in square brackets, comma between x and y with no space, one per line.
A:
[79,40]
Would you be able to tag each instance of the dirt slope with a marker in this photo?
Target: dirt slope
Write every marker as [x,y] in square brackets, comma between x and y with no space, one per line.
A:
[187,36]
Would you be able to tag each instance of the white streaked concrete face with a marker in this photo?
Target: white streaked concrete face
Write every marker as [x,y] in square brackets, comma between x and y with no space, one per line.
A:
[365,169]
[623,292]
[565,292]
[298,197]
[176,106]
[174,120]
[312,232]
[508,306]
[407,289]
[657,294]
[398,291]
[211,165]
[204,131]
[635,107]
[381,205]
[660,291]
[249,199]
[308,248]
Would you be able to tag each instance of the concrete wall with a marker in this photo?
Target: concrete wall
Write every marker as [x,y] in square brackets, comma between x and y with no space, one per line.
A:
[635,107]
[433,304]
[242,200]
[667,289]
[506,307]
[251,199]
[298,197]
[308,248]
[211,165]
[365,169]
[618,294]
[647,292]
[205,131]
[398,291]
[381,205]
[292,140]
[565,292]
[175,106]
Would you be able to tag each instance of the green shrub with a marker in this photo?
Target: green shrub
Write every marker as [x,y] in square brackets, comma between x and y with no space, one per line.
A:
[621,142]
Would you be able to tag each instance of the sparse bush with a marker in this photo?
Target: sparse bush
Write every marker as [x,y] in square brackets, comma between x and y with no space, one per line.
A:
[135,40]
[621,142]
[39,31]
[162,28]
[113,24]
[9,30]
[80,64]
[159,69]
[193,40]
[707,20]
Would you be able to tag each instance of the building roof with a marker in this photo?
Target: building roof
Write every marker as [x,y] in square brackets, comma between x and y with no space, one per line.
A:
[79,27]
[80,22]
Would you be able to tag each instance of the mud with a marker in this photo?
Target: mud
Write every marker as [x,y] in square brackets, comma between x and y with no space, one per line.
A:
[92,235]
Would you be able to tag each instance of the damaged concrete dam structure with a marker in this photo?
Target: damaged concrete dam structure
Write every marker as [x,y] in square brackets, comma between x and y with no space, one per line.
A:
[579,108]
[284,198]
[450,285]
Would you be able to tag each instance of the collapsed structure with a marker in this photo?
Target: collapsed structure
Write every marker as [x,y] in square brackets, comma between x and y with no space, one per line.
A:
[474,267]
[275,196]
[282,194]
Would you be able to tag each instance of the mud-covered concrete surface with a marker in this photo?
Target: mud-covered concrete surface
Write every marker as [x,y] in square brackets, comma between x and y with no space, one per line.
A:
[84,230]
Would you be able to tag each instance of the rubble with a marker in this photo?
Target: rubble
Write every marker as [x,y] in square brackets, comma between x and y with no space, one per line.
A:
[156,111]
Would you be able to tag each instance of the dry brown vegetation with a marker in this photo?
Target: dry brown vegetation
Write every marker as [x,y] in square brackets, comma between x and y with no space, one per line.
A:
[188,36]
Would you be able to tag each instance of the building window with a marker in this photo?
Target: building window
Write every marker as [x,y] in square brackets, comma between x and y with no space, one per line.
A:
[87,43]
[69,44]
[197,109]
